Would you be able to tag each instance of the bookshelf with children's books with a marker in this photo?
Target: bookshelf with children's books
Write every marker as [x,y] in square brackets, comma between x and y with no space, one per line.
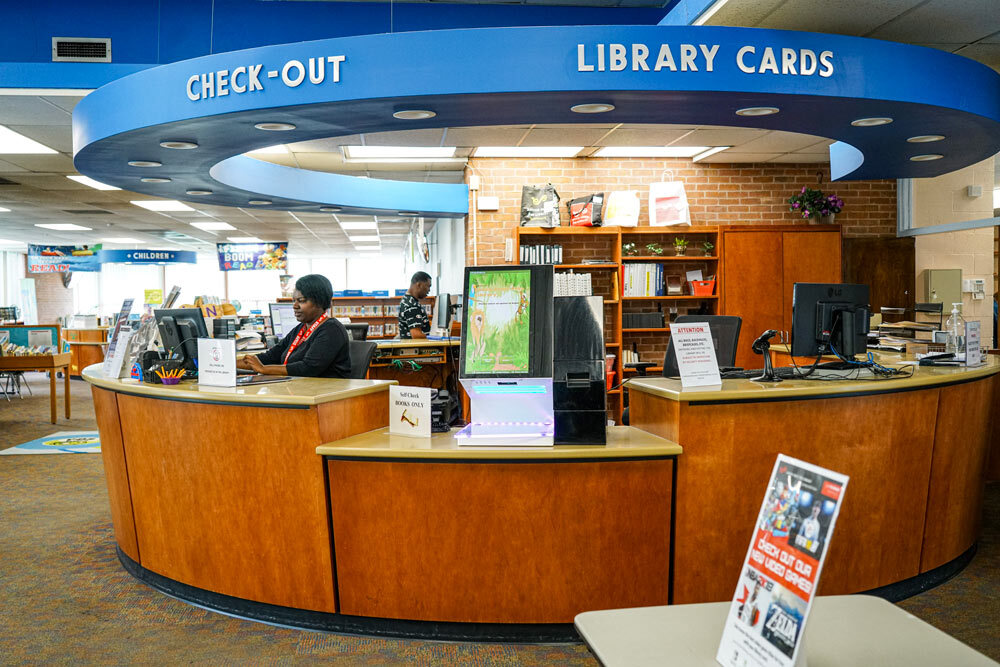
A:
[591,261]
[381,313]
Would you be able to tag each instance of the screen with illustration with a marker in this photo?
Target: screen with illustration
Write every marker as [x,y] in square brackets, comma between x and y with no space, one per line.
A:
[498,307]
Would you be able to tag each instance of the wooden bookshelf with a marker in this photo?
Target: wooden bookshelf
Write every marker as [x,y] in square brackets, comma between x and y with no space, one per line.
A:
[343,305]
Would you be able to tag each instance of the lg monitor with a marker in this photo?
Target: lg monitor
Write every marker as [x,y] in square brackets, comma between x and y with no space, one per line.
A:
[180,329]
[829,318]
[507,322]
[282,318]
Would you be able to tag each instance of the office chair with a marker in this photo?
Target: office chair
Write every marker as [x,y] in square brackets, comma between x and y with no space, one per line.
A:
[362,352]
[358,331]
[725,337]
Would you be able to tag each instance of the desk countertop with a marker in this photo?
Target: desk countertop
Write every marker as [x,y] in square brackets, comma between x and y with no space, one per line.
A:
[297,391]
[419,342]
[748,390]
[623,442]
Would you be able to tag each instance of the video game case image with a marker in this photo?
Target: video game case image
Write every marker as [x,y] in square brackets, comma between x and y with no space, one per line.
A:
[799,507]
[784,619]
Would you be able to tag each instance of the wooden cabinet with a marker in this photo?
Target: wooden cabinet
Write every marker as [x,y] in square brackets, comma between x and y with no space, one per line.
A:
[86,347]
[759,267]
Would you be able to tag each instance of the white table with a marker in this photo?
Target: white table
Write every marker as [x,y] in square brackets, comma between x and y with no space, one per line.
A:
[842,630]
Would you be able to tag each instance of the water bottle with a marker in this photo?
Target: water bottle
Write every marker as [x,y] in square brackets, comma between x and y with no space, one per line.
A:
[955,326]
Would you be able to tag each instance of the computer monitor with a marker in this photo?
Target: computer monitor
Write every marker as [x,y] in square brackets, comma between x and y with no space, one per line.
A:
[282,318]
[180,329]
[507,322]
[829,317]
[442,312]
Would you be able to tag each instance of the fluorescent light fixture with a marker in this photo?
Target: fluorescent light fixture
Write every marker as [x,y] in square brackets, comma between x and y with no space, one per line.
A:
[925,138]
[926,158]
[121,239]
[414,114]
[870,122]
[13,143]
[710,151]
[260,202]
[384,152]
[710,12]
[527,151]
[650,151]
[592,107]
[757,111]
[161,205]
[179,145]
[275,127]
[89,182]
[144,163]
[277,149]
[64,227]
[213,226]
[364,239]
[4,210]
[243,239]
[359,225]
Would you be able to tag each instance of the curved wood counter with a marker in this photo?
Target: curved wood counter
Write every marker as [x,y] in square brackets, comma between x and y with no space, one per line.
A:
[915,449]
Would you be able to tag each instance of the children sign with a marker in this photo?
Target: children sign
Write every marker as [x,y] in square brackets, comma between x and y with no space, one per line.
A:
[782,566]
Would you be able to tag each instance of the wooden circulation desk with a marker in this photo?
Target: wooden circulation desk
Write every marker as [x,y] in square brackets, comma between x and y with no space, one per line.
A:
[228,497]
[915,449]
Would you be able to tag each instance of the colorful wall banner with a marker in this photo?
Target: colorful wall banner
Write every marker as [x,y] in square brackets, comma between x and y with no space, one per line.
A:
[253,256]
[148,257]
[61,258]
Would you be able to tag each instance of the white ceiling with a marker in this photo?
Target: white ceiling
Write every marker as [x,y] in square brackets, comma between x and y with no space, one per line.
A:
[39,192]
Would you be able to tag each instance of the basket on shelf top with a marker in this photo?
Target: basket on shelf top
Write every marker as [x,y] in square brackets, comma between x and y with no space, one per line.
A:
[815,205]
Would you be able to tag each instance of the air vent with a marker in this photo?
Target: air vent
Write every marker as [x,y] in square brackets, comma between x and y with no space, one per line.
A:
[86,211]
[81,49]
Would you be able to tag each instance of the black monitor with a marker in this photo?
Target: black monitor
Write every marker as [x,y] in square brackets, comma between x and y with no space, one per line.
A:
[507,322]
[829,317]
[442,311]
[180,329]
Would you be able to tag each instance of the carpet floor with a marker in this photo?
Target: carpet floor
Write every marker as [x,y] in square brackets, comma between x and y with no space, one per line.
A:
[64,597]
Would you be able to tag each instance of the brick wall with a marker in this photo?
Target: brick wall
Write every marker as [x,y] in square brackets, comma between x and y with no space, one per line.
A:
[718,194]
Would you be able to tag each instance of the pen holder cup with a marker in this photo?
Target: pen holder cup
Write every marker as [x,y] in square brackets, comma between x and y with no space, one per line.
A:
[170,380]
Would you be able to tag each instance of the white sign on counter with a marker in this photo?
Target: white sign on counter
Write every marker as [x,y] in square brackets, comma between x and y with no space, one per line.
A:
[217,362]
[973,345]
[115,358]
[410,411]
[696,360]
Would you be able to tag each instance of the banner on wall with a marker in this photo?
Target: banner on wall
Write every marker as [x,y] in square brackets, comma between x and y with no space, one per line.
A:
[62,258]
[253,256]
[148,256]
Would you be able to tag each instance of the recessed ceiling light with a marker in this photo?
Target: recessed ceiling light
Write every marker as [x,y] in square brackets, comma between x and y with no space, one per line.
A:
[88,181]
[359,225]
[527,151]
[243,239]
[710,151]
[198,192]
[926,158]
[144,163]
[410,213]
[213,226]
[275,127]
[925,138]
[388,152]
[414,114]
[161,205]
[64,227]
[757,111]
[179,145]
[277,149]
[593,107]
[154,179]
[13,143]
[121,239]
[364,239]
[650,151]
[870,122]
[330,209]
[260,202]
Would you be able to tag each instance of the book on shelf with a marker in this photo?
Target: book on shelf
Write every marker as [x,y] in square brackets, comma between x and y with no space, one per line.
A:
[644,279]
[540,254]
[573,284]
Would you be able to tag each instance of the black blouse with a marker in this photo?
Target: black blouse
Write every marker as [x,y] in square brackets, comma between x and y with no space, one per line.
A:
[325,354]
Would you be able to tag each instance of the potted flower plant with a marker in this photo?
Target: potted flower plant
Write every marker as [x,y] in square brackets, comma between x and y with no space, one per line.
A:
[815,205]
[630,249]
[707,246]
[654,248]
[680,245]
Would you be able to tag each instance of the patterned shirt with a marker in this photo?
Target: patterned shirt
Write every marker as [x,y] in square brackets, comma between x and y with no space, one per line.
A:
[412,316]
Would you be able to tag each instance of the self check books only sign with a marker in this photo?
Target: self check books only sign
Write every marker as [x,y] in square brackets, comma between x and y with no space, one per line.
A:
[782,566]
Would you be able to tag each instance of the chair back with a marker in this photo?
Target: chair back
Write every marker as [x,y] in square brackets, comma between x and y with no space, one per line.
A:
[362,352]
[358,331]
[725,336]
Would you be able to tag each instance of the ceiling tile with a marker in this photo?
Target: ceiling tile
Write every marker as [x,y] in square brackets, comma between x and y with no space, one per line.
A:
[427,137]
[778,142]
[804,158]
[60,163]
[943,21]
[58,137]
[569,135]
[731,136]
[835,16]
[647,136]
[727,156]
[30,110]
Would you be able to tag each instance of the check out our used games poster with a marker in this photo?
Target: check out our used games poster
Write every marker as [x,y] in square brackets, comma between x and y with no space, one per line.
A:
[782,566]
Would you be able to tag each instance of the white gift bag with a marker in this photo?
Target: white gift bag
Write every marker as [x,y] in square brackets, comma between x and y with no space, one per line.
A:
[668,204]
[621,209]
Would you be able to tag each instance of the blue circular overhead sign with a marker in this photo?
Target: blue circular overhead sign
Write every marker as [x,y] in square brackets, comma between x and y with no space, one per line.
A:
[147,257]
[895,110]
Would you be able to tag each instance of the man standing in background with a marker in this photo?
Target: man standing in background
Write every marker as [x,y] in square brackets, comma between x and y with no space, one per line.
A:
[413,321]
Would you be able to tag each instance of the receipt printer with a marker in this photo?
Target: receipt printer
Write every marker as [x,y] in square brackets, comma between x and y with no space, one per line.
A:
[579,386]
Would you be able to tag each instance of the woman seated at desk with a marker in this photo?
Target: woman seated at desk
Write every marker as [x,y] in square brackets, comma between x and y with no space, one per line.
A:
[318,347]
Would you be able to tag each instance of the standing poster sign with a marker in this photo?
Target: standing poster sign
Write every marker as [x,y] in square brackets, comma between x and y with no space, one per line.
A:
[973,348]
[782,567]
[695,351]
[217,362]
[113,338]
